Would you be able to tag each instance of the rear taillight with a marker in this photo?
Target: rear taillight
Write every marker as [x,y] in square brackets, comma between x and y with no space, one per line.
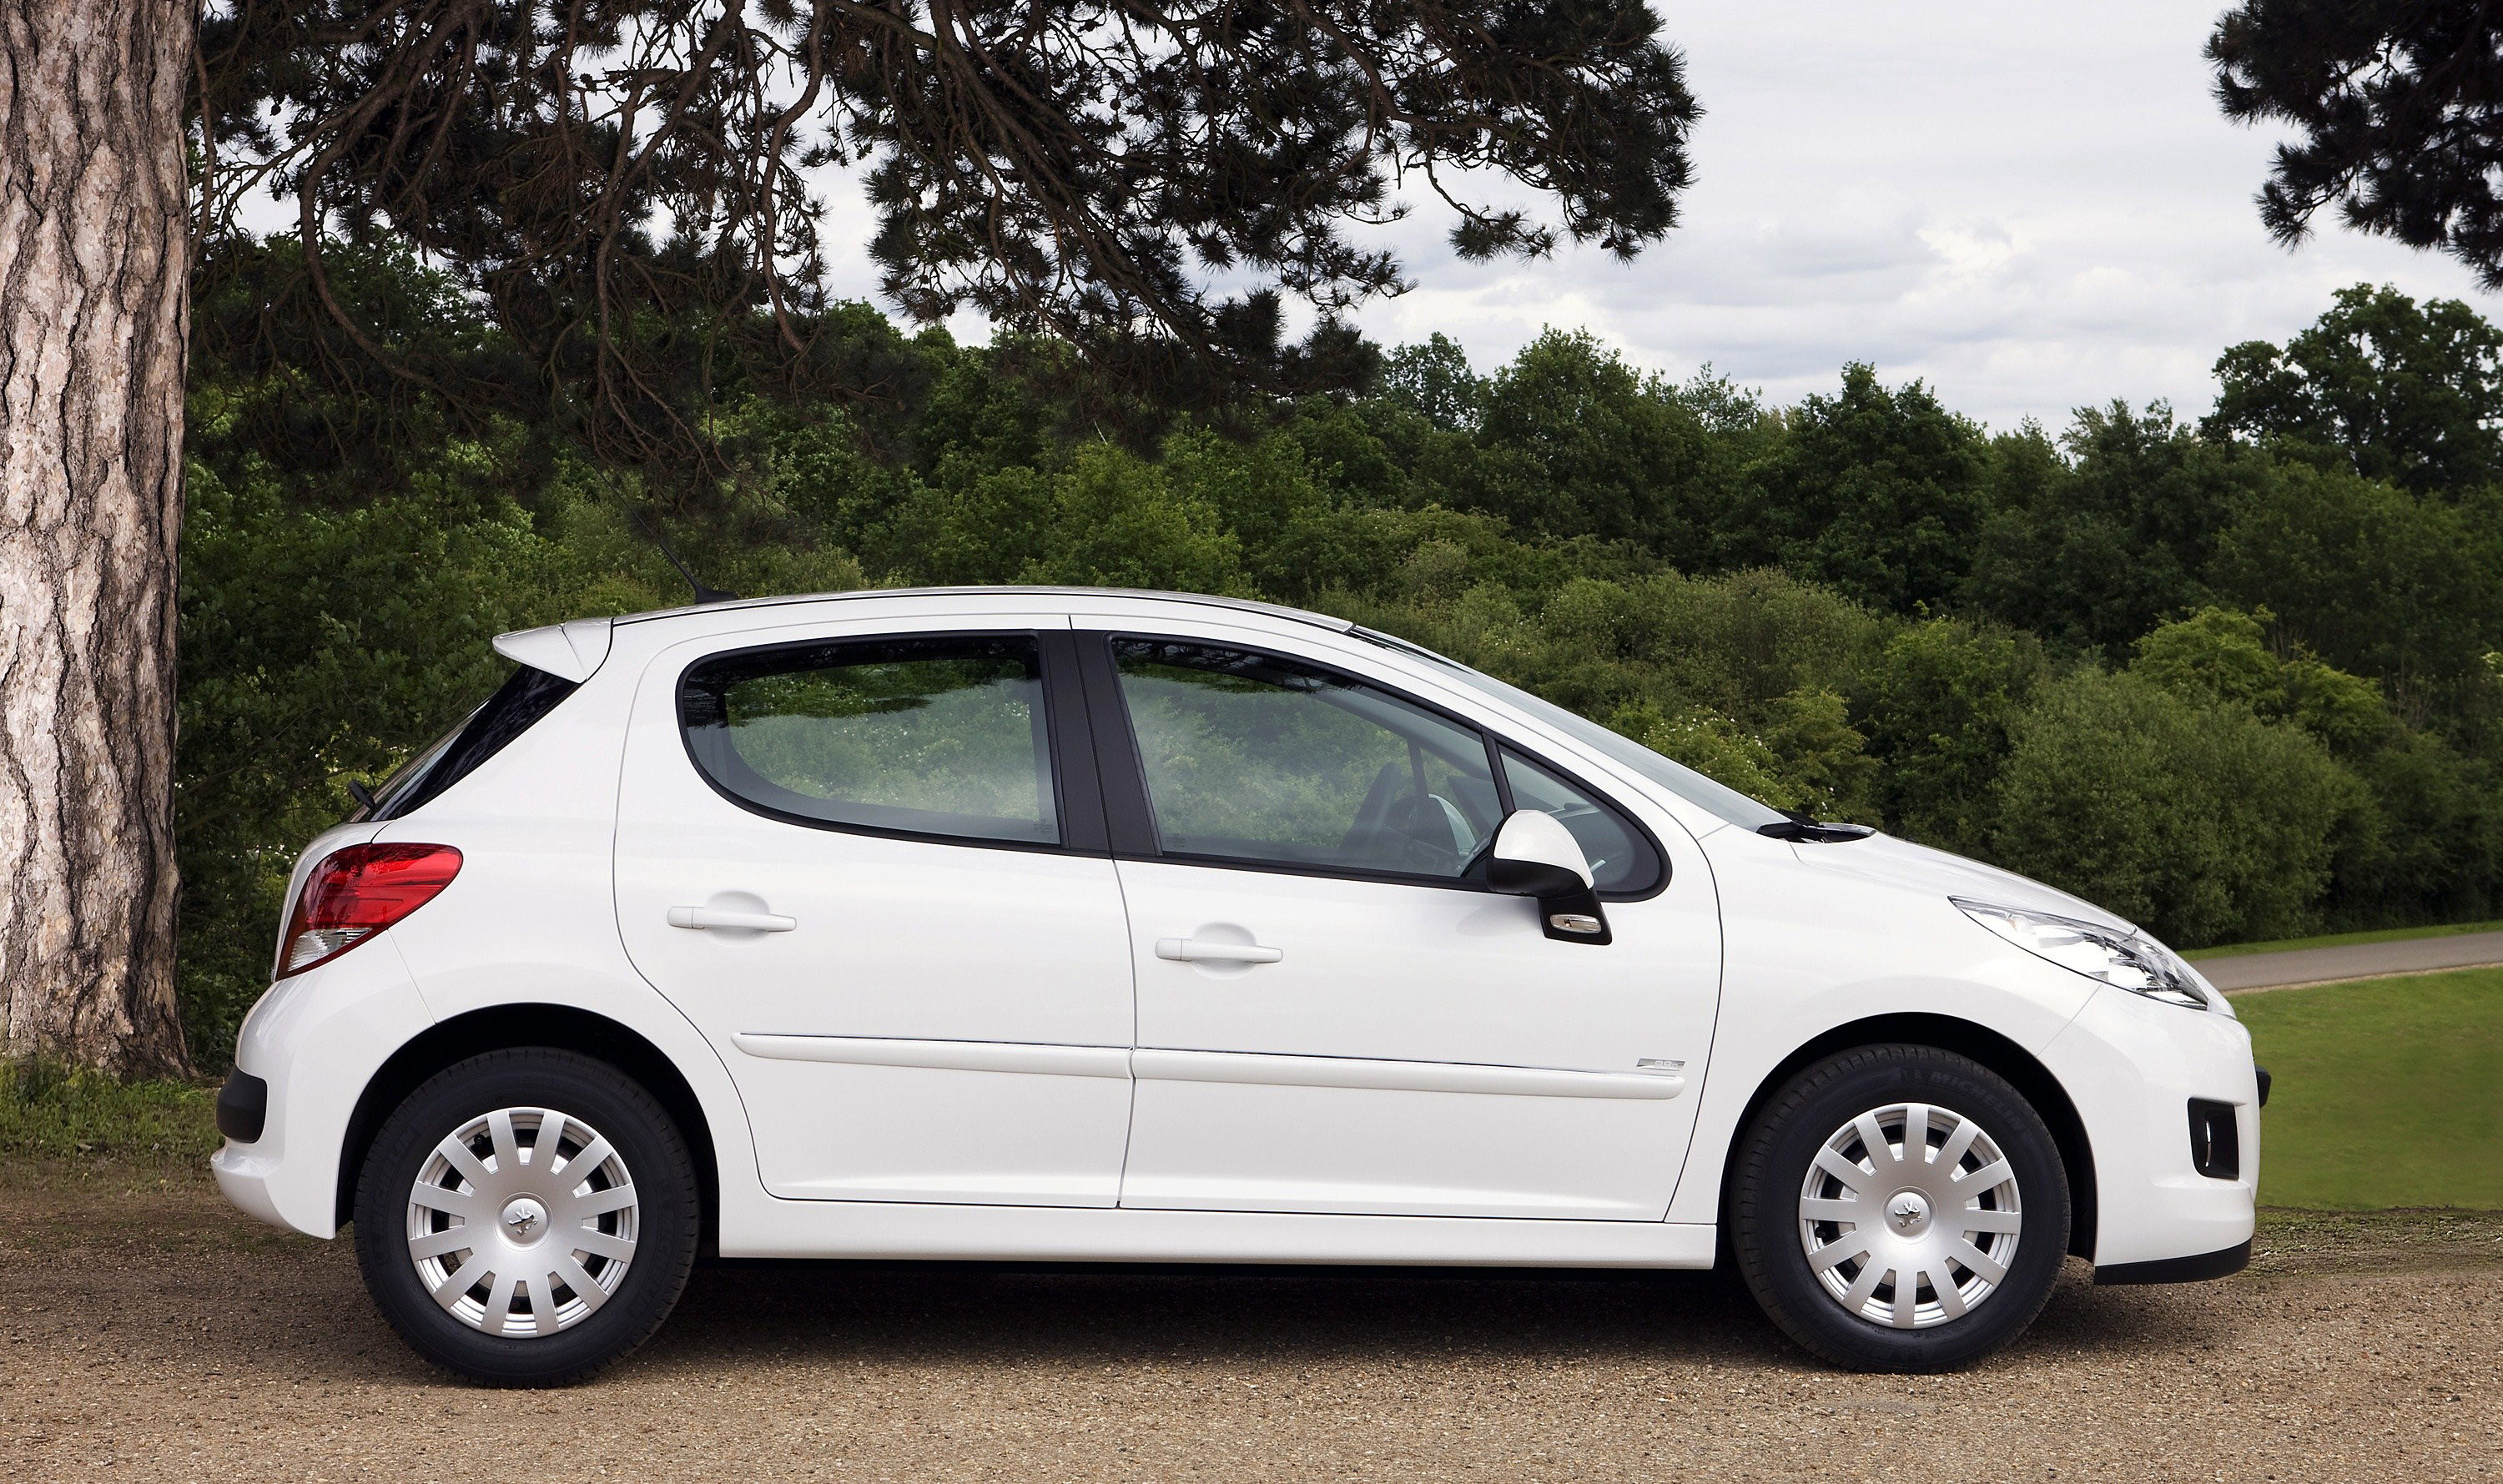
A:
[356,892]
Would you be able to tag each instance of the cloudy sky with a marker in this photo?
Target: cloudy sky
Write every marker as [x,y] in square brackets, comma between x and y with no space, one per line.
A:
[2030,207]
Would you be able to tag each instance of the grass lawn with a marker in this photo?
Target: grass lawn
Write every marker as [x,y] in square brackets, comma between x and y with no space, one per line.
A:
[2339,939]
[2390,1092]
[48,1111]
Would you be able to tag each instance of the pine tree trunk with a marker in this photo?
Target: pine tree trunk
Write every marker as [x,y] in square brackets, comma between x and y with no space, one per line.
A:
[93,271]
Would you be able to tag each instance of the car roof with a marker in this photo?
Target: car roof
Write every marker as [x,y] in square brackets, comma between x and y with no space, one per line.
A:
[573,651]
[1238,604]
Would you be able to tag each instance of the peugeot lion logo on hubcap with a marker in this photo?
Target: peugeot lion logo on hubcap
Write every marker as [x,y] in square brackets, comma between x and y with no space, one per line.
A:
[524,1219]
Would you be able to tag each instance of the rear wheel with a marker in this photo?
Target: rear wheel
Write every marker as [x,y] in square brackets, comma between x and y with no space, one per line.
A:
[527,1217]
[1900,1209]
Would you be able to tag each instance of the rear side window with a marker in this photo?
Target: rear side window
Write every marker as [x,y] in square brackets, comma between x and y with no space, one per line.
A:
[933,736]
[515,708]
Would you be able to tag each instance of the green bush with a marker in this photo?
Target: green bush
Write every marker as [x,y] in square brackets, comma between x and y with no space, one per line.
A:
[2198,819]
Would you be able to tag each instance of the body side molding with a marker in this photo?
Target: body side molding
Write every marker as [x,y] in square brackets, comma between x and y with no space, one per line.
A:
[942,1056]
[1263,1069]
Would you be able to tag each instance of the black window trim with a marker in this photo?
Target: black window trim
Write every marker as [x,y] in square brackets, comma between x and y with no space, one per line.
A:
[1077,800]
[1131,818]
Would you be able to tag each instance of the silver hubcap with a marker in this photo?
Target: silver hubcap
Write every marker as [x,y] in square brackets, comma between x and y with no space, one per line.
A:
[1909,1216]
[522,1221]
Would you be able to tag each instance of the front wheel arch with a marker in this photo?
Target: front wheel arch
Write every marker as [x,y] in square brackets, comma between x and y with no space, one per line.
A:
[503,1028]
[2019,1067]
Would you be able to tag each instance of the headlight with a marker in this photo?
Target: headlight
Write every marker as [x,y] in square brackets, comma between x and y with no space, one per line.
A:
[2131,962]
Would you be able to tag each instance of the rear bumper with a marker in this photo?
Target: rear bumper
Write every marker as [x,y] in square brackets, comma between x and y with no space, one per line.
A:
[243,1107]
[305,1055]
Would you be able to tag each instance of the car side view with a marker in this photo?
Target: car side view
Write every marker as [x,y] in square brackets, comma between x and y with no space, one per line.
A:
[1069,925]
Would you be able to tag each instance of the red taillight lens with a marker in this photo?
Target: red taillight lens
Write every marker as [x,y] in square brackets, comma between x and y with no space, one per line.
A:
[356,892]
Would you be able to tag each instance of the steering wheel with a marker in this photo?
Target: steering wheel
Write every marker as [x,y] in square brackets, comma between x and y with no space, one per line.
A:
[1378,839]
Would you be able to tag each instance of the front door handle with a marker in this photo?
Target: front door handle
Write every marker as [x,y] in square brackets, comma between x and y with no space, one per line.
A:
[715,917]
[1202,950]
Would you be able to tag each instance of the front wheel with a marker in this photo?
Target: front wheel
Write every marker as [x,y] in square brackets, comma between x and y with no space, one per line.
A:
[1900,1209]
[527,1217]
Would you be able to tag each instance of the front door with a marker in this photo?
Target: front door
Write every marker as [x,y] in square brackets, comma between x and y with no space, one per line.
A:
[854,861]
[1334,1014]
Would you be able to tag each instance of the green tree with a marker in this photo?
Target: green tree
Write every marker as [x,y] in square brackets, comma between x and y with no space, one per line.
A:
[626,189]
[2409,394]
[1821,755]
[1117,521]
[1716,747]
[2395,107]
[1576,442]
[2092,550]
[1879,494]
[318,645]
[2217,653]
[2377,582]
[1434,381]
[2424,848]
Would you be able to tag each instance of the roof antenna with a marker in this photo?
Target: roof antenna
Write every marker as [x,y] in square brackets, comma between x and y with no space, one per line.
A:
[703,595]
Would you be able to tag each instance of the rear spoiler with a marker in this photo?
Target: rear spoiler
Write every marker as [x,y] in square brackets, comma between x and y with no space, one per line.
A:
[566,651]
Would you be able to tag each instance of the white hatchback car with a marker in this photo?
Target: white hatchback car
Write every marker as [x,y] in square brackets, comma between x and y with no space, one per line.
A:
[1068,926]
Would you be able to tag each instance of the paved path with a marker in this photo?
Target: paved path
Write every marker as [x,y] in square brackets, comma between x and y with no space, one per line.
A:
[2352,960]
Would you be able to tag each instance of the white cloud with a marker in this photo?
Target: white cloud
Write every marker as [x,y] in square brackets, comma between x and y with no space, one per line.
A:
[2031,208]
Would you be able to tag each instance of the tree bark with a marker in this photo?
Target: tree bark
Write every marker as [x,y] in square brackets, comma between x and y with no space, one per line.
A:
[93,312]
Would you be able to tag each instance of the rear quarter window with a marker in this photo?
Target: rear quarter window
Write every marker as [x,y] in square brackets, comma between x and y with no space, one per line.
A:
[517,706]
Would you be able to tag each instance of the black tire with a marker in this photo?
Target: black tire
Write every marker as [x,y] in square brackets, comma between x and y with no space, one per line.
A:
[667,1214]
[1777,1152]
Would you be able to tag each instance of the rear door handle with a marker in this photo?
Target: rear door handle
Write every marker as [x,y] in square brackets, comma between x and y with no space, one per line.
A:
[1202,950]
[715,917]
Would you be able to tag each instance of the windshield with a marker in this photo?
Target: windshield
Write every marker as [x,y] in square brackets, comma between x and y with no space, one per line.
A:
[1718,800]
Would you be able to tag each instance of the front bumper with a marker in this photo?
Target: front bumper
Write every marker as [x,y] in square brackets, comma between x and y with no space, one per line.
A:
[2193,1269]
[2132,1066]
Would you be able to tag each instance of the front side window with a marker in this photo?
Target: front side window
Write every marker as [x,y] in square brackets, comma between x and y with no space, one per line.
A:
[1709,794]
[940,736]
[1252,757]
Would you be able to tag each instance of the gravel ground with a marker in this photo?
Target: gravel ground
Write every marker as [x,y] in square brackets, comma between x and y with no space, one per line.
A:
[147,1331]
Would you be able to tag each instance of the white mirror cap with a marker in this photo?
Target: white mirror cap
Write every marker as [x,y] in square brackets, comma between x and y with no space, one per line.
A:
[566,651]
[1529,835]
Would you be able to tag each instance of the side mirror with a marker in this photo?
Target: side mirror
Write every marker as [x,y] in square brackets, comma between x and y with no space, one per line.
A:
[1535,855]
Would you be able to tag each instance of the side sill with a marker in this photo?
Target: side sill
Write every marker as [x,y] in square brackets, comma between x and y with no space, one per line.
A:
[896,1231]
[2191,1269]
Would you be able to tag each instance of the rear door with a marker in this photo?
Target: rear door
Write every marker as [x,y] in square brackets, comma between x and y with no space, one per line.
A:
[1335,1015]
[871,866]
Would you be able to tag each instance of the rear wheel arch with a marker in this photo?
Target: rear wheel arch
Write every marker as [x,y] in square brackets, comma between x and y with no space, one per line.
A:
[2021,1069]
[501,1028]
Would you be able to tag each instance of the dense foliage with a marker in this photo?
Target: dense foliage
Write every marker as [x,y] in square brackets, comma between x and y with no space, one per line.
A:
[2239,680]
